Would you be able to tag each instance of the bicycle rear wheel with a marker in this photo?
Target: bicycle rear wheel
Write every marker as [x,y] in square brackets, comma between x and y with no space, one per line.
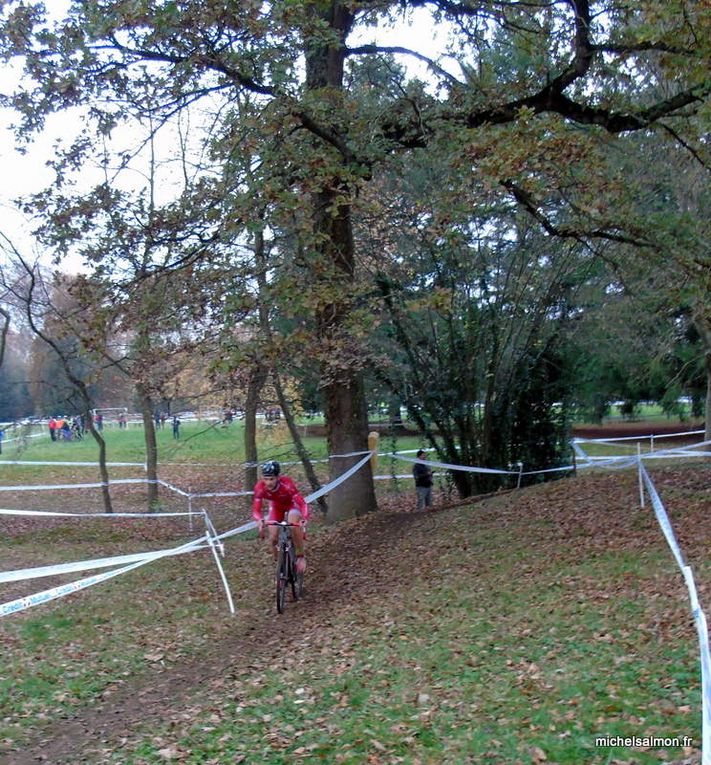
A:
[282,575]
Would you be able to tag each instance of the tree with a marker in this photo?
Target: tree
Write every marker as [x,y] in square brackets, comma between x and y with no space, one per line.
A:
[556,67]
[15,399]
[476,312]
[59,321]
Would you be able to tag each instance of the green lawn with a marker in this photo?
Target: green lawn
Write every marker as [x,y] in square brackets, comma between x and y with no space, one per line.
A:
[514,631]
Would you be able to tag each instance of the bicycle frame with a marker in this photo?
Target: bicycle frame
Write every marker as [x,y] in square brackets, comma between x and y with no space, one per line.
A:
[286,565]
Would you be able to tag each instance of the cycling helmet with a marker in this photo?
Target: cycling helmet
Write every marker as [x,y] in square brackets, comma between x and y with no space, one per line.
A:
[271,468]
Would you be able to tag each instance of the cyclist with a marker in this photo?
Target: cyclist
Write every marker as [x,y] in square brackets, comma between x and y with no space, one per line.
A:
[284,499]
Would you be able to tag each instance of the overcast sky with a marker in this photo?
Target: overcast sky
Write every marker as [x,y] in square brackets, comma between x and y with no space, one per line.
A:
[27,173]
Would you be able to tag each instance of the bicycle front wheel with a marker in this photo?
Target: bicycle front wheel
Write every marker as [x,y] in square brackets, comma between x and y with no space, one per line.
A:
[293,576]
[282,576]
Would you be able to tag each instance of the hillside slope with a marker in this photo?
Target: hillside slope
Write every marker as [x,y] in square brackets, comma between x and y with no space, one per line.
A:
[513,630]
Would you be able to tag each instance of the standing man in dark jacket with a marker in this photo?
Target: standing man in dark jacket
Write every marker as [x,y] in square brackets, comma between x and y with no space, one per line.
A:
[423,482]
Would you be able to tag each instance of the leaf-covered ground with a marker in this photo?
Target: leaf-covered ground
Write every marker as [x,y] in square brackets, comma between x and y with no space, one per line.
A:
[512,630]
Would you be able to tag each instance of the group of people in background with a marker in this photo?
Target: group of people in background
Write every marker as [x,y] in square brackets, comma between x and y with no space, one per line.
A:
[63,428]
[66,429]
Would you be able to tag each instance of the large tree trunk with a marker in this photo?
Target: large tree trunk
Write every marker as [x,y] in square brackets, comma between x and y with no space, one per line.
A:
[149,433]
[707,432]
[298,442]
[347,431]
[702,322]
[343,390]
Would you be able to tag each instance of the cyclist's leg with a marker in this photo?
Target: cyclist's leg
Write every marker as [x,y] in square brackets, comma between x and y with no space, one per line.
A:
[297,534]
[278,517]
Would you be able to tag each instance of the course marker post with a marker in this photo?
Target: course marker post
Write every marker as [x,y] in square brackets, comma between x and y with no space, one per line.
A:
[373,440]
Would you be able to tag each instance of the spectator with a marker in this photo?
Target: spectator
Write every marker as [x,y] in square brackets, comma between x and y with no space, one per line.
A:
[52,428]
[176,427]
[2,435]
[423,481]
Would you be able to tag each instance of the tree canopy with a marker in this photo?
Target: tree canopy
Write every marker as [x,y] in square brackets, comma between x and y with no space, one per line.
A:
[294,121]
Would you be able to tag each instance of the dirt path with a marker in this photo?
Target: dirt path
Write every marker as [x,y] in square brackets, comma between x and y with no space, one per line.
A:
[358,563]
[350,563]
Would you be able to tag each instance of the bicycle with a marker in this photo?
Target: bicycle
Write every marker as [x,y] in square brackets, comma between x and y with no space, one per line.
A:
[286,573]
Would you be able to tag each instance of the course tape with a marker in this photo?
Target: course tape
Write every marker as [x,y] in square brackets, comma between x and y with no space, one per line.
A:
[169,486]
[47,487]
[639,438]
[448,466]
[337,481]
[22,438]
[549,470]
[579,450]
[662,517]
[72,464]
[21,574]
[21,604]
[51,513]
[698,614]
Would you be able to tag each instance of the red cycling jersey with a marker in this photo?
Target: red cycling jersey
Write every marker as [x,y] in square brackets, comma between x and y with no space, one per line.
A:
[282,498]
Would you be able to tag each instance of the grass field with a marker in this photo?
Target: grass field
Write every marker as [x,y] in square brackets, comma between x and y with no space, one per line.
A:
[199,442]
[513,631]
[516,630]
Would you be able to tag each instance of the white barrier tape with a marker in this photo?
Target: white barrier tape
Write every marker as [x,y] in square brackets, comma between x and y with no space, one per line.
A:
[614,463]
[224,494]
[673,455]
[699,616]
[20,604]
[686,447]
[549,470]
[338,481]
[174,488]
[703,632]
[662,517]
[705,656]
[291,462]
[239,530]
[348,454]
[465,468]
[47,487]
[22,438]
[214,544]
[72,464]
[401,451]
[50,513]
[639,438]
[213,531]
[677,451]
[19,575]
[310,498]
[579,450]
[171,487]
